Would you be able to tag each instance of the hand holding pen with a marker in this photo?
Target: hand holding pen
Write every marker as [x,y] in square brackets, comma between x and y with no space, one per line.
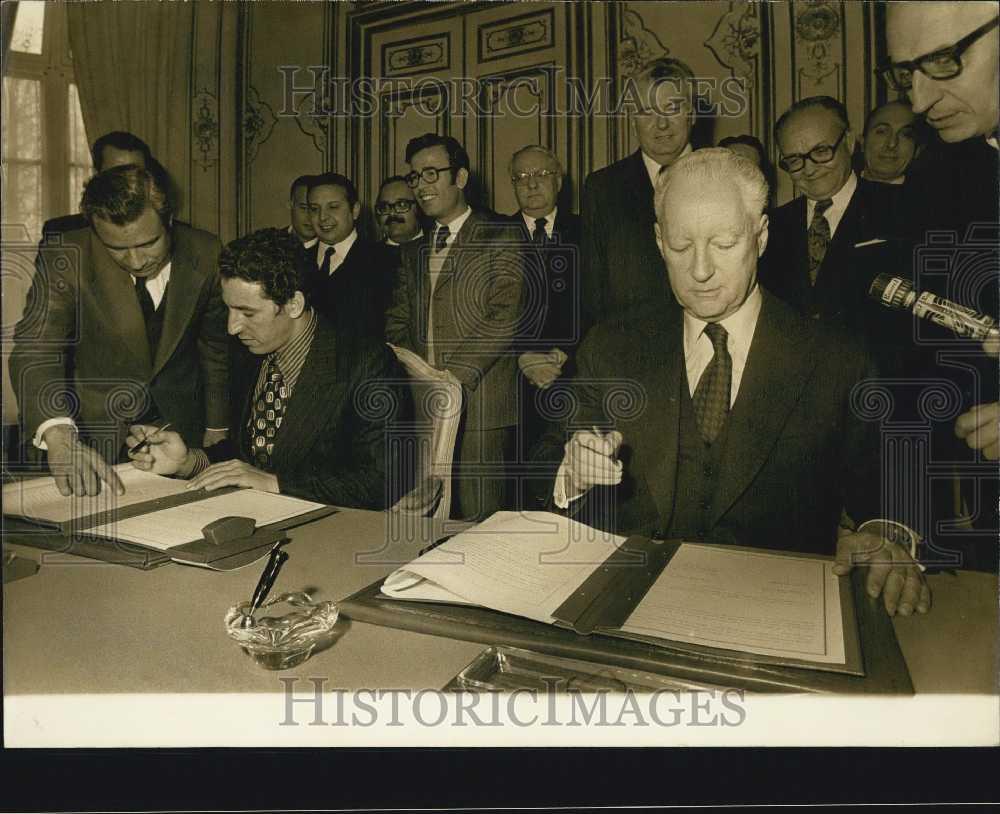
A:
[154,449]
[590,460]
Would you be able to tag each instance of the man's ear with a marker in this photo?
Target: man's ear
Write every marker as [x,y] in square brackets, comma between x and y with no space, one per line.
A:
[762,234]
[296,306]
[461,178]
[356,211]
[849,140]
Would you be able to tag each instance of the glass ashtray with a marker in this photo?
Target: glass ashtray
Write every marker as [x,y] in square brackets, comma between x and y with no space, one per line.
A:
[286,639]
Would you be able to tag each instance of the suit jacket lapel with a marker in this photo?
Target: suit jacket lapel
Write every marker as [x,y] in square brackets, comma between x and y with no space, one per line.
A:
[779,364]
[640,185]
[244,369]
[182,297]
[116,295]
[665,378]
[318,393]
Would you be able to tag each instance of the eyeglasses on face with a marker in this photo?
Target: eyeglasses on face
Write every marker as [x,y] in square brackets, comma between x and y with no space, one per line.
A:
[400,207]
[522,178]
[429,175]
[820,154]
[945,63]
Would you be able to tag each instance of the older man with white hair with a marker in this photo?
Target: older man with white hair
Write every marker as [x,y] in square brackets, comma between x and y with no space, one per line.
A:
[728,420]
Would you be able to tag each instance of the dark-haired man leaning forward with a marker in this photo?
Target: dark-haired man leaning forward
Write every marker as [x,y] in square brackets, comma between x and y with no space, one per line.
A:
[300,395]
[741,430]
[124,322]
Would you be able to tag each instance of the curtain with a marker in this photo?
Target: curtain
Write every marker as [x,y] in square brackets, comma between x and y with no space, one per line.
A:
[9,13]
[133,63]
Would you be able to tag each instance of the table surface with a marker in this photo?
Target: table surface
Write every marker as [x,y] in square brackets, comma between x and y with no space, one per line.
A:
[79,626]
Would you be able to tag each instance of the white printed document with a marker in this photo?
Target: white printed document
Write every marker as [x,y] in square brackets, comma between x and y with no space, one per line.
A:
[528,564]
[38,499]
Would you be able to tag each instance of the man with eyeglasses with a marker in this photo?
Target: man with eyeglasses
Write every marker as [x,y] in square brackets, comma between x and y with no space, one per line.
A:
[830,242]
[552,316]
[944,57]
[622,267]
[457,304]
[397,212]
[353,281]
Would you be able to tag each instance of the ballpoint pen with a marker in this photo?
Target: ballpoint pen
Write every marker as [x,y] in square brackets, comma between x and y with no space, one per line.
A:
[145,441]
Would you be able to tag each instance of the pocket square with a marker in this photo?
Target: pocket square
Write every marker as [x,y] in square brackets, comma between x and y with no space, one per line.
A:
[873,242]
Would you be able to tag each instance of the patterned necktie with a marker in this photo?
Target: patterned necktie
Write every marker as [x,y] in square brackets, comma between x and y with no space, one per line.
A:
[324,269]
[268,410]
[441,238]
[540,238]
[711,396]
[818,238]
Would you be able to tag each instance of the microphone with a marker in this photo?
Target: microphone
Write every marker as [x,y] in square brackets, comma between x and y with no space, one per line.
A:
[898,294]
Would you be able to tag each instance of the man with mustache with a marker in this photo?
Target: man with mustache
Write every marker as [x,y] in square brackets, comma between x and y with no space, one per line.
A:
[124,322]
[397,212]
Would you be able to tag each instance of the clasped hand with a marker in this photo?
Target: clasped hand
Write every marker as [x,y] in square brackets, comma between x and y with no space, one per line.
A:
[541,369]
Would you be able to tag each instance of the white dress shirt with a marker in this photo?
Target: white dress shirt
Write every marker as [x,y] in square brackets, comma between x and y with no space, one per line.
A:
[550,222]
[390,242]
[340,251]
[698,348]
[841,199]
[653,167]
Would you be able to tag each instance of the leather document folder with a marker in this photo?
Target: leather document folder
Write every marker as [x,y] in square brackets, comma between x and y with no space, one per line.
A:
[587,626]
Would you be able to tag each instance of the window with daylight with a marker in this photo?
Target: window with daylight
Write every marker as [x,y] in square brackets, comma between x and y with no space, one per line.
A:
[45,151]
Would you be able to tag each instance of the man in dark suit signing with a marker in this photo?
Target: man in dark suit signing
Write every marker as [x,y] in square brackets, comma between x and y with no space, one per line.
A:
[622,267]
[353,280]
[124,322]
[457,304]
[300,393]
[731,417]
[828,244]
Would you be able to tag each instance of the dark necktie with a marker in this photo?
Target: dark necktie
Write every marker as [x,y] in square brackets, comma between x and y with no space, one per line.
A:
[268,410]
[148,311]
[711,396]
[540,238]
[441,238]
[324,269]
[818,238]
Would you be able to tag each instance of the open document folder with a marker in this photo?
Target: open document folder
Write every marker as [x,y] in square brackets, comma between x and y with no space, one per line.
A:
[788,609]
[155,512]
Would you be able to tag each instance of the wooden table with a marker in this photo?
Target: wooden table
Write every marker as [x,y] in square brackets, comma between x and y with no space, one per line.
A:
[79,626]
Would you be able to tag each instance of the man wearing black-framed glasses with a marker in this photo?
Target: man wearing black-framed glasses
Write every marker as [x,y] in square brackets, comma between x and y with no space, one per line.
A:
[828,244]
[458,304]
[945,57]
[397,212]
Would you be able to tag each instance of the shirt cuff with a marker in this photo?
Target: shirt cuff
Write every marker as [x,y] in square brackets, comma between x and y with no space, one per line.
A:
[45,425]
[201,463]
[897,533]
[559,489]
